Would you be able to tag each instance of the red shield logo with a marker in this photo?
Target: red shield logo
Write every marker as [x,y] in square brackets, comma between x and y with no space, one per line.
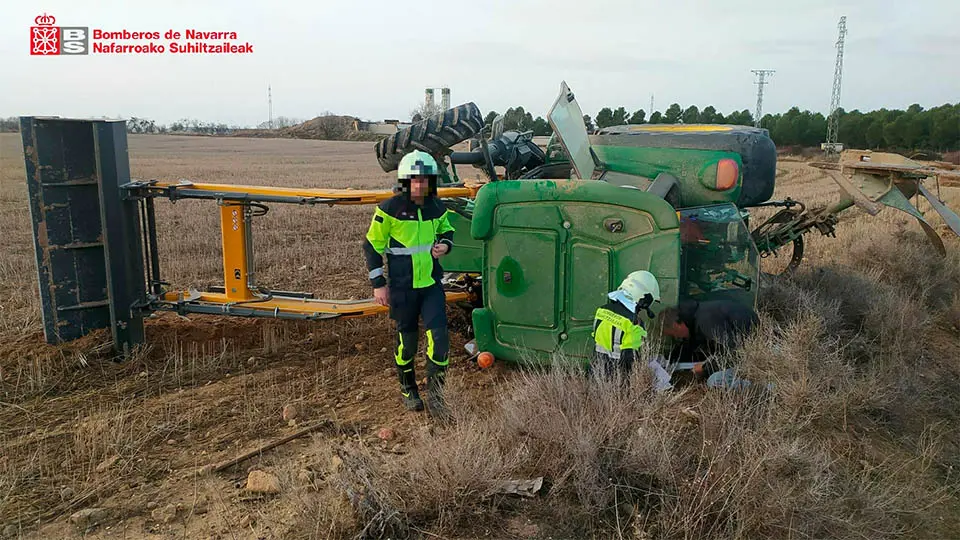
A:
[45,38]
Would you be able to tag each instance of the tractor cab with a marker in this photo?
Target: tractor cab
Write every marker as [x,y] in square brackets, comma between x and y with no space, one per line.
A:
[551,242]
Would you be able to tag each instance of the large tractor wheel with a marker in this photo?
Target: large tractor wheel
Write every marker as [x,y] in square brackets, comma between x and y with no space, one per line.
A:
[433,135]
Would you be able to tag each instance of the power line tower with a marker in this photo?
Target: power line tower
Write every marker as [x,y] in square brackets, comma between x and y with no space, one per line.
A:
[833,120]
[651,106]
[761,81]
[270,106]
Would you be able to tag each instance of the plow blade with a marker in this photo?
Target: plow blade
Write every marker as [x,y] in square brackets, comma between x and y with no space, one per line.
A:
[876,179]
[949,216]
[895,199]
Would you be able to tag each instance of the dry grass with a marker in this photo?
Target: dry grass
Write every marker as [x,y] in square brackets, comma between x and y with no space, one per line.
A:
[857,439]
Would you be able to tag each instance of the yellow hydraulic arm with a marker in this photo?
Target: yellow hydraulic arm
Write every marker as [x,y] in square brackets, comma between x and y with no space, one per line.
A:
[240,294]
[240,193]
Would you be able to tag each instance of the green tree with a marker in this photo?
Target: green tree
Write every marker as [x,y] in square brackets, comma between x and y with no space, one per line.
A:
[918,131]
[672,115]
[656,118]
[895,132]
[517,119]
[588,122]
[691,115]
[605,118]
[637,117]
[541,127]
[769,120]
[945,129]
[815,130]
[488,119]
[851,131]
[874,134]
[787,130]
[619,116]
[741,118]
[709,115]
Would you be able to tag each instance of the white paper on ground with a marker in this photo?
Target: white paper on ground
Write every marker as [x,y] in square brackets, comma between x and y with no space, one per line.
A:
[662,378]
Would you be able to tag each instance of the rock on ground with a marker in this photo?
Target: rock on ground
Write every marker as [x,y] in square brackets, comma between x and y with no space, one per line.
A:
[165,514]
[262,482]
[88,517]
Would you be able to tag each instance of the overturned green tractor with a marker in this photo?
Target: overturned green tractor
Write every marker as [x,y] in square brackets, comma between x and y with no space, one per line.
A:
[538,245]
[543,242]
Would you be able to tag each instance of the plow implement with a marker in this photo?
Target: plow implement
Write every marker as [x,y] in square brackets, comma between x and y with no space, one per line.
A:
[870,181]
[96,238]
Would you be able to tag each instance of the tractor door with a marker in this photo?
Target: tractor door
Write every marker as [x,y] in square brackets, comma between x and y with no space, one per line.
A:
[552,250]
[719,257]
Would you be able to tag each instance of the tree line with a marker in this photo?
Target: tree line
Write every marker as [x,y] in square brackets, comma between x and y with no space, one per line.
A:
[936,129]
[145,125]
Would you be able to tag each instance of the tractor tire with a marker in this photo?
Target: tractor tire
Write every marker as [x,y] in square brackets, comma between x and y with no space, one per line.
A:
[433,135]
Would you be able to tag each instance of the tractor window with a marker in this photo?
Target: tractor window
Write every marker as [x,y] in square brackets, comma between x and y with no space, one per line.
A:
[718,258]
[566,119]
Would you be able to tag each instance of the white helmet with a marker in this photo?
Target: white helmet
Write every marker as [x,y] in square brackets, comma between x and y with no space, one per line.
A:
[417,163]
[639,284]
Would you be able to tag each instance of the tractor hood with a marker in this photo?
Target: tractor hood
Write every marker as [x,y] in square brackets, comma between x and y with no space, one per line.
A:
[566,119]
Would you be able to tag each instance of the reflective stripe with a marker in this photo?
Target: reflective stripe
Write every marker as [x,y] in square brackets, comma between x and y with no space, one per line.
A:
[409,250]
[430,351]
[399,357]
[617,339]
[612,354]
[377,272]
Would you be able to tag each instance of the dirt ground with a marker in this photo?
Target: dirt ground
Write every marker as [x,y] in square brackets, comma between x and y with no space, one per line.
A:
[80,432]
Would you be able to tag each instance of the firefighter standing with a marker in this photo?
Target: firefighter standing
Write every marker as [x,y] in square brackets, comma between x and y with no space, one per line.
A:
[412,229]
[617,329]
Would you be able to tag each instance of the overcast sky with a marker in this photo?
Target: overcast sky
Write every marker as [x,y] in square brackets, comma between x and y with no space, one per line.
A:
[373,58]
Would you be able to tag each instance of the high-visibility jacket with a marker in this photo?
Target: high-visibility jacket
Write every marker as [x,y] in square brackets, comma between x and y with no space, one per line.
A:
[406,233]
[616,336]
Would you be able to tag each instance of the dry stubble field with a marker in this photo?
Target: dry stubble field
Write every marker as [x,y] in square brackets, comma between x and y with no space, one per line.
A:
[857,440]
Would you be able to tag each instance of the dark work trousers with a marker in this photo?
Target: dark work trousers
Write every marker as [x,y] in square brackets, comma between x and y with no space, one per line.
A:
[407,306]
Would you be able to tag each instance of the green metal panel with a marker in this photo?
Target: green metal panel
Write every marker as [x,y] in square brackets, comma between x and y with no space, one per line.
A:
[552,250]
[467,253]
[695,169]
[526,267]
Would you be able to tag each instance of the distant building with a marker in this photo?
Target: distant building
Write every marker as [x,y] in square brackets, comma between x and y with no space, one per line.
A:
[387,127]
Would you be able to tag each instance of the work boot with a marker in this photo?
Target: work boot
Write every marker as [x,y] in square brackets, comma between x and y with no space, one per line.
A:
[408,389]
[436,403]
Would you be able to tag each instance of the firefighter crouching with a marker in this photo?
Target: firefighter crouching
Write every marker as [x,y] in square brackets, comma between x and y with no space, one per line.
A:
[618,331]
